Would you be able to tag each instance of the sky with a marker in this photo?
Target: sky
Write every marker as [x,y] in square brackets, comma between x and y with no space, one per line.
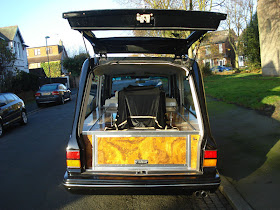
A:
[38,19]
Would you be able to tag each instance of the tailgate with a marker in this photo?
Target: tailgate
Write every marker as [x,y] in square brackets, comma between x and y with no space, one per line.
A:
[177,153]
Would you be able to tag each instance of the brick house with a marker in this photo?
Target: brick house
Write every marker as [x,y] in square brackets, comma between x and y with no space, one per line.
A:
[13,37]
[38,55]
[215,50]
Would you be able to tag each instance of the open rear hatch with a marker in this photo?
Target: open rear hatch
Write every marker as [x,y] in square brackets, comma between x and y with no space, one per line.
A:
[143,19]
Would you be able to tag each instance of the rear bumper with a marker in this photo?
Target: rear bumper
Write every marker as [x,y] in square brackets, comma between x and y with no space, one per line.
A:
[188,182]
[49,99]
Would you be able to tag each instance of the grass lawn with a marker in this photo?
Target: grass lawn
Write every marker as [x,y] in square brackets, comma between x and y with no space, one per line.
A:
[251,90]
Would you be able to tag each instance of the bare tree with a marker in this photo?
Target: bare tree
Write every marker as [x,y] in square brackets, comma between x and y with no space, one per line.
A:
[239,15]
[200,5]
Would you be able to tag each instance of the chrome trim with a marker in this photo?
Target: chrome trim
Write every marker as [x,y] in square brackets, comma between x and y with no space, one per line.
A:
[144,185]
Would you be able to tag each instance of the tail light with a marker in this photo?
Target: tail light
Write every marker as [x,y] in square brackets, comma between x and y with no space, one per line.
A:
[37,94]
[210,158]
[55,93]
[73,159]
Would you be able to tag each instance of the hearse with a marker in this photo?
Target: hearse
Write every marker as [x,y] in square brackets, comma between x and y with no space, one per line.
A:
[141,120]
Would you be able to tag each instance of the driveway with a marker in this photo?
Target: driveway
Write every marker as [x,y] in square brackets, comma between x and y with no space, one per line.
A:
[249,152]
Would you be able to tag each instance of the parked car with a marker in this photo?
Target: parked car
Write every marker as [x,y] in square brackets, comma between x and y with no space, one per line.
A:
[221,68]
[52,93]
[12,110]
[148,125]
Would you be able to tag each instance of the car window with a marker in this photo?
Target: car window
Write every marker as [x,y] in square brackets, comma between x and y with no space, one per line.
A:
[14,96]
[48,87]
[119,83]
[9,98]
[3,100]
[188,99]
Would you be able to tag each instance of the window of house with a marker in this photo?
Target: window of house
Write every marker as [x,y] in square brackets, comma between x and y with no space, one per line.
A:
[15,50]
[19,50]
[49,50]
[27,53]
[220,48]
[207,50]
[37,52]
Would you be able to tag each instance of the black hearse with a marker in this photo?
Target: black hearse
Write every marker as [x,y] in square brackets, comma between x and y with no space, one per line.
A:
[142,121]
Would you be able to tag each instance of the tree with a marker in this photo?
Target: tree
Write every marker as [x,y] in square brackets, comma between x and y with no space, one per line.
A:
[7,58]
[252,42]
[239,15]
[75,63]
[201,5]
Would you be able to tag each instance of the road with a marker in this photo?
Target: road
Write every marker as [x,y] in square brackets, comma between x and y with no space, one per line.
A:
[32,166]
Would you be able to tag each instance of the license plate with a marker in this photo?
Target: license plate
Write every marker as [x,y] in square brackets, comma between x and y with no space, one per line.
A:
[46,94]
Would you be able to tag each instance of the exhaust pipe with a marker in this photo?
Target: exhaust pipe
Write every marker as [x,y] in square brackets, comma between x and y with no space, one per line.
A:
[197,193]
[201,194]
[204,194]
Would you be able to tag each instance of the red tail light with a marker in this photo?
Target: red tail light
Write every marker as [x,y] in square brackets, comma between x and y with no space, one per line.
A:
[55,93]
[210,158]
[73,155]
[37,94]
[210,154]
[73,159]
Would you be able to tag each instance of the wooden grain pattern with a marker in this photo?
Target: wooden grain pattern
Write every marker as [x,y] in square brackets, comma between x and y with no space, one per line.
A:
[194,148]
[157,150]
[88,149]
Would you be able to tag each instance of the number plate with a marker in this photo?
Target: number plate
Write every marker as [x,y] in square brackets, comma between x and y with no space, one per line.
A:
[46,94]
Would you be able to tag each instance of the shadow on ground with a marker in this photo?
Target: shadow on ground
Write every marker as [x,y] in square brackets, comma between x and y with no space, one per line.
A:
[244,138]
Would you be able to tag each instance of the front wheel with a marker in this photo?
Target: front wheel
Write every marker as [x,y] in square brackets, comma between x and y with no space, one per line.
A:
[23,118]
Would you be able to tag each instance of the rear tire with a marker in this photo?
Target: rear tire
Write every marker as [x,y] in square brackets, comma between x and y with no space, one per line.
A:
[61,100]
[23,120]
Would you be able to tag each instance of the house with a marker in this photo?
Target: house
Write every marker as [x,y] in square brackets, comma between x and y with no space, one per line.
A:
[13,37]
[216,50]
[52,54]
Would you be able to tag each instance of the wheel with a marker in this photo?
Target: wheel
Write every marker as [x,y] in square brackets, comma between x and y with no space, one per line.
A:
[61,100]
[23,120]
[1,130]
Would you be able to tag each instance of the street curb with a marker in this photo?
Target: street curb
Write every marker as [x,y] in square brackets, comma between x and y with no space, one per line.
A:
[232,195]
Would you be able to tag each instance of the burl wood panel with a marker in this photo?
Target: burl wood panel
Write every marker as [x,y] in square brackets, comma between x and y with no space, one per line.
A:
[88,149]
[157,150]
[194,148]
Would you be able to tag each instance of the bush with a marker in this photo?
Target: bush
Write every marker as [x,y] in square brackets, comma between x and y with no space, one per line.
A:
[20,82]
[206,70]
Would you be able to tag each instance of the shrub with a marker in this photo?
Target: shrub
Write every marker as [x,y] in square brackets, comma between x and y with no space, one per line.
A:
[206,70]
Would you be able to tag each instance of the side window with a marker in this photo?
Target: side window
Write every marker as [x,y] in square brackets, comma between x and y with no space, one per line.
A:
[9,98]
[188,99]
[3,100]
[91,105]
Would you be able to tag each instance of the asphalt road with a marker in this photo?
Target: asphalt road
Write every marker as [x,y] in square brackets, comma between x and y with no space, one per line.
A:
[32,165]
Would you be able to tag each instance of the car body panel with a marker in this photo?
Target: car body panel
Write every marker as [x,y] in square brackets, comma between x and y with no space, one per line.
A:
[11,112]
[47,96]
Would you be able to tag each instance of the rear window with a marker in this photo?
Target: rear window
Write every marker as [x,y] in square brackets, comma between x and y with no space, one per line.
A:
[119,83]
[48,87]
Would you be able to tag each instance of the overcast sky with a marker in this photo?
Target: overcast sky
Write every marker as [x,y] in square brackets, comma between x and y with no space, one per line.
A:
[38,19]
